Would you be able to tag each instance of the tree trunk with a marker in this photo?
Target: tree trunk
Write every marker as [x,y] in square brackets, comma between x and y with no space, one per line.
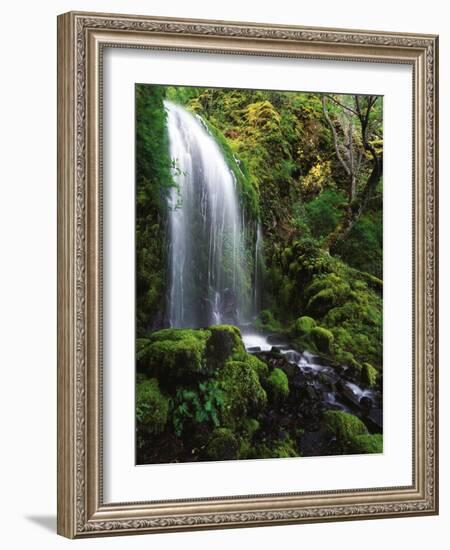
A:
[356,207]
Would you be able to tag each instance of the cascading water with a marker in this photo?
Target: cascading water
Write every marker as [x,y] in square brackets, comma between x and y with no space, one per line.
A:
[210,275]
[258,261]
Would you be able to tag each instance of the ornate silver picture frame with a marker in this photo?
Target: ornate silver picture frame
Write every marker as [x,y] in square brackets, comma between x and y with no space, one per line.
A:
[82,39]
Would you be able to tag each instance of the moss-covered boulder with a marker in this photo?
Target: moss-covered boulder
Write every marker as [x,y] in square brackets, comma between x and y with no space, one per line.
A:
[223,445]
[242,392]
[277,448]
[173,353]
[369,375]
[267,321]
[344,426]
[326,292]
[261,369]
[224,342]
[367,443]
[152,406]
[303,325]
[323,340]
[278,385]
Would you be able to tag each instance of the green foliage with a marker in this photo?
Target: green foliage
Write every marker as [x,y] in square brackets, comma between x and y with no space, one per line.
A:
[153,182]
[197,405]
[367,443]
[266,321]
[151,406]
[363,246]
[369,375]
[344,426]
[176,353]
[278,385]
[242,392]
[324,212]
[223,445]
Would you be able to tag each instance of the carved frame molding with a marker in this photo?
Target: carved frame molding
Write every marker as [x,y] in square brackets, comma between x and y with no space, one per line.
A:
[81,38]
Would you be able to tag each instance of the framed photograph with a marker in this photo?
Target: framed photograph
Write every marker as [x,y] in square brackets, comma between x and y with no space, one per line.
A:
[247,288]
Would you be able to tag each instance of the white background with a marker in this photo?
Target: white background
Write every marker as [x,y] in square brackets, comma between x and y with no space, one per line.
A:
[123,482]
[28,276]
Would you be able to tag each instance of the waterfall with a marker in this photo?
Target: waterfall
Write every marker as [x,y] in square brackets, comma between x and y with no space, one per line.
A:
[258,261]
[210,276]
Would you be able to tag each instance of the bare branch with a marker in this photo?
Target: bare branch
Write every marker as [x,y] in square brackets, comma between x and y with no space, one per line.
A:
[346,107]
[335,138]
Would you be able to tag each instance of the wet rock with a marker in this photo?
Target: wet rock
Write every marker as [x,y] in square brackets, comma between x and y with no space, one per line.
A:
[276,339]
[375,419]
[366,404]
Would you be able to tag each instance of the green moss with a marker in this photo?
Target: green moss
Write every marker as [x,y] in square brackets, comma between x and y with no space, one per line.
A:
[177,334]
[151,406]
[304,325]
[223,445]
[261,369]
[278,448]
[249,427]
[347,358]
[369,375]
[225,342]
[153,182]
[278,385]
[323,339]
[344,426]
[367,443]
[242,392]
[267,321]
[326,292]
[246,184]
[176,353]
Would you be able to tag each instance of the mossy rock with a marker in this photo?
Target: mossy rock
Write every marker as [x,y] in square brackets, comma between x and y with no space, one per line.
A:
[278,385]
[225,342]
[344,426]
[367,443]
[323,340]
[243,394]
[261,369]
[304,325]
[369,375]
[278,448]
[249,427]
[326,292]
[142,345]
[223,445]
[267,321]
[175,353]
[152,406]
[347,358]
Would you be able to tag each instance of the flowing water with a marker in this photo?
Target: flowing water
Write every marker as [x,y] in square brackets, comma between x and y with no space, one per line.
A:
[337,392]
[210,274]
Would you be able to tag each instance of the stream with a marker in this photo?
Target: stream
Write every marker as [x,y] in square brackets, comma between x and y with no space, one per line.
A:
[333,386]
